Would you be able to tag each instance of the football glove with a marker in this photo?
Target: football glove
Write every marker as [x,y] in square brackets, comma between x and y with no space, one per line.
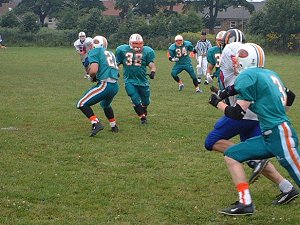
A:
[214,89]
[209,79]
[91,79]
[214,100]
[152,75]
[225,93]
[173,59]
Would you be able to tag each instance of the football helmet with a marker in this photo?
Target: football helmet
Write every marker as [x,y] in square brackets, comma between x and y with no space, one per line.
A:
[219,37]
[81,36]
[233,35]
[99,42]
[136,42]
[250,55]
[178,40]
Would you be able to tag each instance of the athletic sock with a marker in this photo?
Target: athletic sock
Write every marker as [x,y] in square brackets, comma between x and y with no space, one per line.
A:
[244,193]
[112,122]
[94,119]
[285,186]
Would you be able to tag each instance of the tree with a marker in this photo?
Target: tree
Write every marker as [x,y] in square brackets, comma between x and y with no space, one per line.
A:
[214,7]
[9,19]
[3,1]
[30,22]
[144,7]
[83,6]
[42,8]
[279,21]
[68,20]
[169,3]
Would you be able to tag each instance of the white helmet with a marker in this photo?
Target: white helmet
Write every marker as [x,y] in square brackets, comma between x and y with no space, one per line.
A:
[81,36]
[178,40]
[219,37]
[250,55]
[136,42]
[99,42]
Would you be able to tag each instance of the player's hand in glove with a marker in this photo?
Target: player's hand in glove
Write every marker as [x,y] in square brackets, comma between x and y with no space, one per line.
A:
[152,75]
[173,59]
[214,100]
[214,89]
[209,79]
[91,79]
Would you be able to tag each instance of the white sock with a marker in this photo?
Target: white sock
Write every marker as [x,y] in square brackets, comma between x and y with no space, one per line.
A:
[285,186]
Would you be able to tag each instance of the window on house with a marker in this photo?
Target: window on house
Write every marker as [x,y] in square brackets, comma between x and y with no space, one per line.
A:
[232,24]
[217,24]
[50,20]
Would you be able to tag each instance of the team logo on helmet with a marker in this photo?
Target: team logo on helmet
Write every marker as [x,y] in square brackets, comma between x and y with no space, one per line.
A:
[250,55]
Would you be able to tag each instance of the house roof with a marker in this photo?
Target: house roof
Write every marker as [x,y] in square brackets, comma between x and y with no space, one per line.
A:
[6,6]
[239,12]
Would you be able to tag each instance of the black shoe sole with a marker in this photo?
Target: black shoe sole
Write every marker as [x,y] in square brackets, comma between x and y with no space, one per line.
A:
[287,202]
[255,178]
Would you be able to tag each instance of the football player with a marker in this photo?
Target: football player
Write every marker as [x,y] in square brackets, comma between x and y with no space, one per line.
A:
[135,58]
[263,91]
[226,128]
[213,58]
[83,45]
[179,53]
[104,71]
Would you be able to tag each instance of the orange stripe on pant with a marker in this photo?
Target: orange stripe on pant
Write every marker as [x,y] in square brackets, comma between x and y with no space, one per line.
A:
[289,146]
[96,91]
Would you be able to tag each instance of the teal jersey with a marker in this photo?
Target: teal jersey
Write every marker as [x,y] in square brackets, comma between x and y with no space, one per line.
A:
[182,52]
[135,64]
[107,63]
[213,57]
[266,91]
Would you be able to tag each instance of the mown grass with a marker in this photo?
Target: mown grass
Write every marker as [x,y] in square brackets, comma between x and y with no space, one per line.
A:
[52,172]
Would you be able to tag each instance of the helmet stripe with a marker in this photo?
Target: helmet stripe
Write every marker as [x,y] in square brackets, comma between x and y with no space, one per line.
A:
[259,54]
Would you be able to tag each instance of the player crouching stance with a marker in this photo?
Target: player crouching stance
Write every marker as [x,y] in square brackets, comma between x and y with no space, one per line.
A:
[103,70]
[262,91]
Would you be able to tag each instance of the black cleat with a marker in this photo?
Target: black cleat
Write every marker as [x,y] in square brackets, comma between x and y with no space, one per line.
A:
[115,129]
[239,209]
[287,197]
[144,120]
[258,168]
[96,127]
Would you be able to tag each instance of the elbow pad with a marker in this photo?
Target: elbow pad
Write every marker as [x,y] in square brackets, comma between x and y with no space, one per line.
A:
[290,97]
[234,112]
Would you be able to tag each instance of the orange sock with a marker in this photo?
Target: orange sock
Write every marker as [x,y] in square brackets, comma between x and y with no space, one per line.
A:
[94,119]
[244,193]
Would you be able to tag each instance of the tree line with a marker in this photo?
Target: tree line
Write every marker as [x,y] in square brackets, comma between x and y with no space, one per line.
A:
[276,26]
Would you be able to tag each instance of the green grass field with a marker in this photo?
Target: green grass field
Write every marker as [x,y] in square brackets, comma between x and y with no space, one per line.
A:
[52,172]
